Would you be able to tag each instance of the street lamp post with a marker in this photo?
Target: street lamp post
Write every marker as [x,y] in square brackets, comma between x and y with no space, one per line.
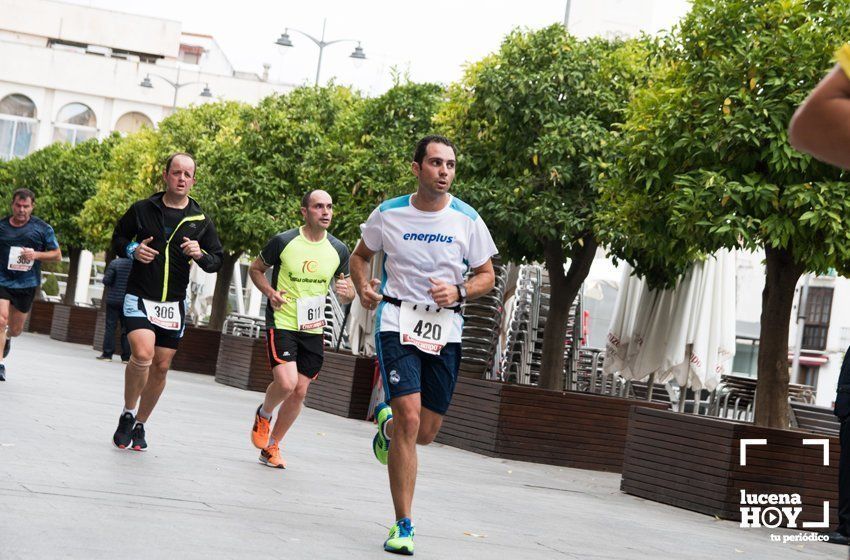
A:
[285,41]
[146,83]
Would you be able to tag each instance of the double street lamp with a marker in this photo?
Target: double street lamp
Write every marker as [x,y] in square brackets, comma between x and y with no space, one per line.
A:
[285,41]
[146,83]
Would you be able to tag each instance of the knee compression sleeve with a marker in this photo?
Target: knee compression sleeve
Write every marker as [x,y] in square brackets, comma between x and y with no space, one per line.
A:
[136,365]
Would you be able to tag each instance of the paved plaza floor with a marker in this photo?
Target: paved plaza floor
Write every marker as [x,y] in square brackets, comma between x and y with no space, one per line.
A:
[66,492]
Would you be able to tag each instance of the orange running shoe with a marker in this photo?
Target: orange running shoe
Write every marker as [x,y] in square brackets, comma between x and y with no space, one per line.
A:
[260,431]
[270,457]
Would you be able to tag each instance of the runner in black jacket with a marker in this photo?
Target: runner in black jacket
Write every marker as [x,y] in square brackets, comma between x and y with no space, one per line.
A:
[163,235]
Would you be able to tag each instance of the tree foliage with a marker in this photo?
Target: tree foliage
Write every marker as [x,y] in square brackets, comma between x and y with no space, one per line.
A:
[63,177]
[704,160]
[705,156]
[133,172]
[532,122]
[365,158]
[213,134]
[284,131]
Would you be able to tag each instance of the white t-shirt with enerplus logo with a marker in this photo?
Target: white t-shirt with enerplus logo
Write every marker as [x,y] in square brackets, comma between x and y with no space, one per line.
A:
[420,245]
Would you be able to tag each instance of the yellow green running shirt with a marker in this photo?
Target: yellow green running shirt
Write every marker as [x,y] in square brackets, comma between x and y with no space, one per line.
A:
[304,269]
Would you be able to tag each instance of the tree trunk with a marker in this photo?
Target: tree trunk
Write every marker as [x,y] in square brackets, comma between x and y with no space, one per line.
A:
[71,284]
[782,274]
[564,289]
[222,290]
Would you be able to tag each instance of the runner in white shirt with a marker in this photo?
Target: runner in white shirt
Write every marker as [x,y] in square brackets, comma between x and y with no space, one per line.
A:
[430,240]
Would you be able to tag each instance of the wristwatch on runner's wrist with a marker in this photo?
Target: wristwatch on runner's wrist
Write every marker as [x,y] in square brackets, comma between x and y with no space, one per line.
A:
[461,293]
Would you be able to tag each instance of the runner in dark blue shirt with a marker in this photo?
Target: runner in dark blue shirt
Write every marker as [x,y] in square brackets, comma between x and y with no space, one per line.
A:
[25,241]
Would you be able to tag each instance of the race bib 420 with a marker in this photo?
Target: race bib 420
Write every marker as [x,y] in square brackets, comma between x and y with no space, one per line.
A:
[425,326]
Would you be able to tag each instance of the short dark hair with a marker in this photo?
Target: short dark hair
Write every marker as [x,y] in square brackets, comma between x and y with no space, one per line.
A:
[174,155]
[305,200]
[23,194]
[422,146]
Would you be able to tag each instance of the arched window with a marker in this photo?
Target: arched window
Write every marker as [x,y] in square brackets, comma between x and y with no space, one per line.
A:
[132,122]
[17,126]
[75,123]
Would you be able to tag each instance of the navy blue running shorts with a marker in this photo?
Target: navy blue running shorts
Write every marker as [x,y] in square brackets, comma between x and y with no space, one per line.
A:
[406,369]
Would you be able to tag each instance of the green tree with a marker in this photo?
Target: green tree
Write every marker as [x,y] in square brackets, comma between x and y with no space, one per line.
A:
[365,158]
[288,131]
[704,162]
[133,172]
[5,178]
[248,166]
[531,121]
[63,177]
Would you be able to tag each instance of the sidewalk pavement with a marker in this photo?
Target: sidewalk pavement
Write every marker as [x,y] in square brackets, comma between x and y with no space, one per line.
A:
[66,492]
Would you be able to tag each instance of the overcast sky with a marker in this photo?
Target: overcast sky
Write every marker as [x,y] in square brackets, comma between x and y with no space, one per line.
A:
[427,40]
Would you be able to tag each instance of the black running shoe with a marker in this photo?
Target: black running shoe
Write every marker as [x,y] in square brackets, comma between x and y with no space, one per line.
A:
[124,433]
[8,346]
[2,372]
[139,443]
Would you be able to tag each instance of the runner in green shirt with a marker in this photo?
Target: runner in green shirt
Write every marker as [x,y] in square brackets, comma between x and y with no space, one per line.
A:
[304,262]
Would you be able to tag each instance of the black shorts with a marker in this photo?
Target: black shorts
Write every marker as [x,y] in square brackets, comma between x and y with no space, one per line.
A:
[137,318]
[307,350]
[20,298]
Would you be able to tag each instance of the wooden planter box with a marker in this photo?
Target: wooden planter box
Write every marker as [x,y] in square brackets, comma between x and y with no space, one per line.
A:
[243,363]
[693,462]
[572,429]
[198,351]
[344,385]
[40,317]
[472,421]
[73,324]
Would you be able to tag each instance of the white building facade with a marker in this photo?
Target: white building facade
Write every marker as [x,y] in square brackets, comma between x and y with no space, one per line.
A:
[70,73]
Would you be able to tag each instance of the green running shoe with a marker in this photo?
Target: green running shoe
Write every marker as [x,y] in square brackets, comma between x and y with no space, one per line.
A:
[380,444]
[400,540]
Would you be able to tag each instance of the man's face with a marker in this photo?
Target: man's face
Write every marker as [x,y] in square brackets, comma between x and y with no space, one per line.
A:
[22,209]
[437,170]
[180,176]
[319,211]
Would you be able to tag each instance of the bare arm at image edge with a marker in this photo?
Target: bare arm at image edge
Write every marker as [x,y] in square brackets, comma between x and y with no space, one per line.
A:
[821,125]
